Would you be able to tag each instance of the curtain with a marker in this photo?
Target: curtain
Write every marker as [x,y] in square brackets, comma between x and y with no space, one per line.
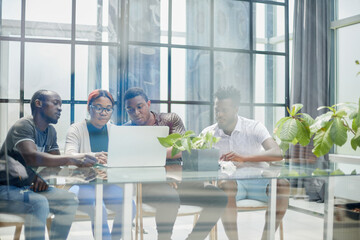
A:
[310,76]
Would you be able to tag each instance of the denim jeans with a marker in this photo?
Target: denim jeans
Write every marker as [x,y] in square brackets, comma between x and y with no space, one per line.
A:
[113,198]
[36,206]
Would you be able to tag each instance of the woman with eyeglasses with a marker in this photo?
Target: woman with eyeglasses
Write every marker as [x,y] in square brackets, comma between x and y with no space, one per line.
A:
[91,136]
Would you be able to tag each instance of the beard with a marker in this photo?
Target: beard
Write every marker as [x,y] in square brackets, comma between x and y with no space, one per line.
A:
[52,120]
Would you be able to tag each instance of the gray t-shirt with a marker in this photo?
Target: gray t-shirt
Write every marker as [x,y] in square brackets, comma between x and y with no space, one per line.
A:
[24,130]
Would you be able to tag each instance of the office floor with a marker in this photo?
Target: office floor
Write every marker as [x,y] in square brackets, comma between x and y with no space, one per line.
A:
[297,226]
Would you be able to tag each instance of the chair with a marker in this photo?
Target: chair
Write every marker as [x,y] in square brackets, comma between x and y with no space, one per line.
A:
[17,221]
[144,210]
[245,205]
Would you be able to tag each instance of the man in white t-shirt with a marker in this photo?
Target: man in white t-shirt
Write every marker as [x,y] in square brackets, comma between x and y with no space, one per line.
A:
[247,143]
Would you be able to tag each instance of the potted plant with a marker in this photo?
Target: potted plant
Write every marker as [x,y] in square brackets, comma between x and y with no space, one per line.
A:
[326,130]
[197,151]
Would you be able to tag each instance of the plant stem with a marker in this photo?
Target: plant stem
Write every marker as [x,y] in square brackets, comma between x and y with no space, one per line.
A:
[347,126]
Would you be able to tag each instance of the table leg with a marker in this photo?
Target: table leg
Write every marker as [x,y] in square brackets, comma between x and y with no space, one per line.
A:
[329,208]
[127,211]
[98,211]
[272,209]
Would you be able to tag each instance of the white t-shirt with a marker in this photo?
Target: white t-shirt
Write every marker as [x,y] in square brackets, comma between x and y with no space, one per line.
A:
[246,139]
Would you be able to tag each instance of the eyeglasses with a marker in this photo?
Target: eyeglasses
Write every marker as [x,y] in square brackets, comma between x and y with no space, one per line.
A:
[99,109]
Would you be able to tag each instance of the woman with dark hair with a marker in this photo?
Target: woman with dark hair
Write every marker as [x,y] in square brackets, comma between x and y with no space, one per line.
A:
[91,136]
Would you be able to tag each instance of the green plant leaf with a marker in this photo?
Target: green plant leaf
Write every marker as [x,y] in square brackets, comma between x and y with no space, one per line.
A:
[294,141]
[355,141]
[189,133]
[341,113]
[357,119]
[293,173]
[296,108]
[279,125]
[327,107]
[353,115]
[354,126]
[284,146]
[174,151]
[322,141]
[186,143]
[337,172]
[353,172]
[319,172]
[320,122]
[307,118]
[303,134]
[354,144]
[174,136]
[338,132]
[281,121]
[165,142]
[178,144]
[357,134]
[288,130]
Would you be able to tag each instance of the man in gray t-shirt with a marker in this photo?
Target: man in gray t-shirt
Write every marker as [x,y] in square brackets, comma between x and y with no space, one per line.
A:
[31,142]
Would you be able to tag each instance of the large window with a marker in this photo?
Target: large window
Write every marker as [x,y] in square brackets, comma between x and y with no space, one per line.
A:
[346,27]
[179,51]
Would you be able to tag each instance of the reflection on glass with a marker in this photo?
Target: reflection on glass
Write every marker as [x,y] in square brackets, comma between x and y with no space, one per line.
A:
[269,116]
[231,24]
[10,24]
[9,69]
[47,66]
[269,79]
[9,113]
[269,26]
[95,67]
[233,69]
[194,117]
[97,21]
[148,21]
[148,70]
[48,18]
[191,22]
[190,76]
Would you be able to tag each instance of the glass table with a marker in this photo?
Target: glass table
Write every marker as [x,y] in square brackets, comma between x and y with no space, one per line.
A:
[173,172]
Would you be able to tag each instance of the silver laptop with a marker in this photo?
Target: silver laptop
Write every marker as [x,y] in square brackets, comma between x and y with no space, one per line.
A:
[136,146]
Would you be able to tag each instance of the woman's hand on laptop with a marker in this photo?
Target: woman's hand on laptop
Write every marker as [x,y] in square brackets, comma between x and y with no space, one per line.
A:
[101,157]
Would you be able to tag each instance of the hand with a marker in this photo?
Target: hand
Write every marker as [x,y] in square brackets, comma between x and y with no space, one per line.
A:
[101,157]
[84,160]
[39,185]
[89,160]
[173,185]
[101,174]
[232,156]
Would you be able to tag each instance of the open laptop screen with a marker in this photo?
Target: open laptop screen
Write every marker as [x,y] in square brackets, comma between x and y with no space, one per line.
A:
[136,146]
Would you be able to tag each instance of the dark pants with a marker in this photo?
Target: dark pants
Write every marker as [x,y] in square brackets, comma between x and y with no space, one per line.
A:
[166,200]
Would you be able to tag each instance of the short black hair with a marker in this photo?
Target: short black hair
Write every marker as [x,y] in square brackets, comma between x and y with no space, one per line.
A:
[41,95]
[134,92]
[229,92]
